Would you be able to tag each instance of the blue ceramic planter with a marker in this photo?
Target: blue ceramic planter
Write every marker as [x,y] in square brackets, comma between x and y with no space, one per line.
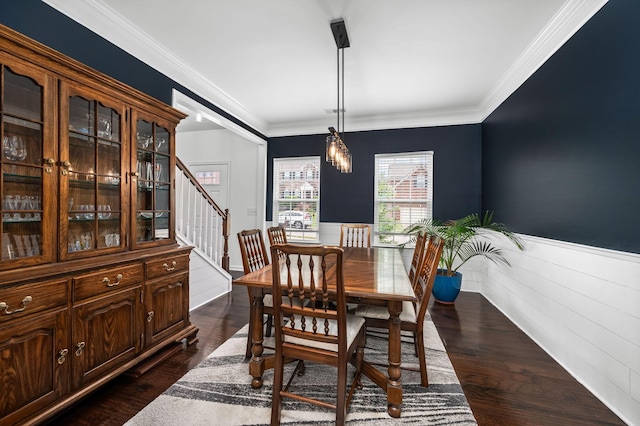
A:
[446,289]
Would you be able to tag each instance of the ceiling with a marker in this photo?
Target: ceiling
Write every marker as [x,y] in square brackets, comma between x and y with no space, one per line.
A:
[272,64]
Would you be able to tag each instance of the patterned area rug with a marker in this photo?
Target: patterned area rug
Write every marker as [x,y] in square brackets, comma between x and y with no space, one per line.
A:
[218,391]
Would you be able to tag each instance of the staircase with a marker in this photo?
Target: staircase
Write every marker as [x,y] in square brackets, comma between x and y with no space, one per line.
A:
[205,226]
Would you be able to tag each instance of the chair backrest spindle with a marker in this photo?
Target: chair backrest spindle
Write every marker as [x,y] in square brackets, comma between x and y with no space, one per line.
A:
[277,235]
[355,235]
[252,250]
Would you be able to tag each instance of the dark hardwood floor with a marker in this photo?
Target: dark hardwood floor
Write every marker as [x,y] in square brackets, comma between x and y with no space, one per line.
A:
[507,378]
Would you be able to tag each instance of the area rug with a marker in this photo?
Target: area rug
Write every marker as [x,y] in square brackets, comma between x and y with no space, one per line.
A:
[218,391]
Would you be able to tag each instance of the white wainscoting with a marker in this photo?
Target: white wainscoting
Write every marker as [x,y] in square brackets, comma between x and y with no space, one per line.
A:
[582,306]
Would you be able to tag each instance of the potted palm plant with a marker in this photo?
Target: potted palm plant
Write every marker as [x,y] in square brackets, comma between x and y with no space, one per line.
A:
[464,239]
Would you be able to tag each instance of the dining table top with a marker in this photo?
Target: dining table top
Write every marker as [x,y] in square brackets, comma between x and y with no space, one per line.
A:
[375,273]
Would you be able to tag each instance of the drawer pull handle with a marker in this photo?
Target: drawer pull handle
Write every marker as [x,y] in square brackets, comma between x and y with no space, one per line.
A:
[107,281]
[170,268]
[5,307]
[79,348]
[150,315]
[62,356]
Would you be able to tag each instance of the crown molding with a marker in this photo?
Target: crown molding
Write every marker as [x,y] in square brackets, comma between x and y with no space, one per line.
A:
[566,22]
[382,122]
[108,24]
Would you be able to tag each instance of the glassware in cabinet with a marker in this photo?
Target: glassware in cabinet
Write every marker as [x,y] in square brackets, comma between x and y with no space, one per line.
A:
[26,173]
[91,175]
[153,188]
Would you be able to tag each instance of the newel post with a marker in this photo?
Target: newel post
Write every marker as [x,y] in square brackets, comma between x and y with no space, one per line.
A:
[226,230]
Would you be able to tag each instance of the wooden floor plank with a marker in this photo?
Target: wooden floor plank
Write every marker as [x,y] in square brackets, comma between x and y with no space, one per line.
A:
[507,378]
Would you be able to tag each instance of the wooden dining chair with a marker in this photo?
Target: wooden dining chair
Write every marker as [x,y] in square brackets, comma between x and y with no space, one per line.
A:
[277,235]
[355,235]
[254,256]
[309,327]
[416,260]
[412,315]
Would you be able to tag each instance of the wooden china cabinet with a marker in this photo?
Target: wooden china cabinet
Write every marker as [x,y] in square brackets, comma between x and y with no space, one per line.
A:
[92,282]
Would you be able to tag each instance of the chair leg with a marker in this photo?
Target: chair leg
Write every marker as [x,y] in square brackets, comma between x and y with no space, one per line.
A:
[278,379]
[424,381]
[341,397]
[267,332]
[359,361]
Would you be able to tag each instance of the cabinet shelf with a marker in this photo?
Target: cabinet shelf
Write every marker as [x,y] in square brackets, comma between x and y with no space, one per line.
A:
[100,219]
[90,184]
[90,138]
[33,125]
[148,215]
[161,186]
[20,221]
[15,178]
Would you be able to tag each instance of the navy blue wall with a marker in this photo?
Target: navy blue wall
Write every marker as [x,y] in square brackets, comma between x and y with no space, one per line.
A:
[43,23]
[561,156]
[349,197]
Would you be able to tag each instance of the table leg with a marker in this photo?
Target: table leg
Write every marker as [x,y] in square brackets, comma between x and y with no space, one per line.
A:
[394,382]
[256,365]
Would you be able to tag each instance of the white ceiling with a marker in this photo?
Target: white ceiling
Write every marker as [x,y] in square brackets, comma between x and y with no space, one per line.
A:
[273,63]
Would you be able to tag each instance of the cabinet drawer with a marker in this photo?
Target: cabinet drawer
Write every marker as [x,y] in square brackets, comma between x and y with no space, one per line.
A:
[106,280]
[167,265]
[22,300]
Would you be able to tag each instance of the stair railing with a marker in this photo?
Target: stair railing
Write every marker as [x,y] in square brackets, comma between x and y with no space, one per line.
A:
[199,219]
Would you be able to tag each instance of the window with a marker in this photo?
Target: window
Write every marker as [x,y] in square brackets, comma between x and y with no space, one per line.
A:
[296,196]
[421,181]
[403,194]
[208,178]
[311,174]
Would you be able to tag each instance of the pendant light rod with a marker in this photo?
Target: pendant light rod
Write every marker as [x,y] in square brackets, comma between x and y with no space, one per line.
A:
[342,107]
[338,87]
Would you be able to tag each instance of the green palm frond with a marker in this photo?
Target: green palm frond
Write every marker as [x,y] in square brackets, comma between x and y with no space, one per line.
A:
[462,239]
[483,248]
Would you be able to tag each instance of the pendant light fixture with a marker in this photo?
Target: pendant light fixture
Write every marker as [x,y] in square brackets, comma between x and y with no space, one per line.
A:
[337,152]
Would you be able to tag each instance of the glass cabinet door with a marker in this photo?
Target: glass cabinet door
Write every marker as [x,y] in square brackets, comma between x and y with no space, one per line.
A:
[153,191]
[27,166]
[91,159]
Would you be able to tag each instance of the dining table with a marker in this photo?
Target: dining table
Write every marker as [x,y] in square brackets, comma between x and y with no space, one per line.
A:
[372,276]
